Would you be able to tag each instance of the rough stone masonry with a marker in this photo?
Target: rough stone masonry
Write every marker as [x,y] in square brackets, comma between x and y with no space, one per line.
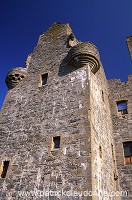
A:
[65,131]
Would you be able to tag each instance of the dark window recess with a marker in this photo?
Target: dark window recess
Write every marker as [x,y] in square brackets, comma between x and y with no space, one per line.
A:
[127,152]
[122,107]
[44,78]
[102,95]
[5,168]
[100,151]
[56,141]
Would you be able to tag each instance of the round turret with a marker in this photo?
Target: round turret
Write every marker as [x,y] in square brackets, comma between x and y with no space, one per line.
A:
[83,54]
[15,76]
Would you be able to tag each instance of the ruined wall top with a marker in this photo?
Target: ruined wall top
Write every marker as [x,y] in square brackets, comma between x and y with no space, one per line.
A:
[117,82]
[60,42]
[55,31]
[119,91]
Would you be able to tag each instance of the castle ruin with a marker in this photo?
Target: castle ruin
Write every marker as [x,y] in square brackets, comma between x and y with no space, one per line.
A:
[65,130]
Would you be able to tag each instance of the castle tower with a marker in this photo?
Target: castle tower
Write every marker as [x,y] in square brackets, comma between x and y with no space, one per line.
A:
[56,127]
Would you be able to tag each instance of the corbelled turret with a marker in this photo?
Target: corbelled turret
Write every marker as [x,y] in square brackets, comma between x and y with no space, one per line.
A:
[15,76]
[83,54]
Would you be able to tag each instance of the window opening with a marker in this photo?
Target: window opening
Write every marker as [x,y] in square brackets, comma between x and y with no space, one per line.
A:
[44,78]
[100,151]
[127,152]
[102,96]
[5,168]
[122,107]
[56,141]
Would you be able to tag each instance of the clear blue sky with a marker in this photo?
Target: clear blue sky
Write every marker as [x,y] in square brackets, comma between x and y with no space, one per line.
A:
[106,23]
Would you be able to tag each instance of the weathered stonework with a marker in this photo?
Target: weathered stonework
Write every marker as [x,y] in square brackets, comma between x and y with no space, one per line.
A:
[129,43]
[74,105]
[122,129]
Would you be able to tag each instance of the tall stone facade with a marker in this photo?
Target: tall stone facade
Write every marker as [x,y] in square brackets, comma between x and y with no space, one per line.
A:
[121,92]
[61,134]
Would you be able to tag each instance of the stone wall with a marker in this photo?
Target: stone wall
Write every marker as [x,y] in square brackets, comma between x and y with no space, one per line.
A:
[103,160]
[32,115]
[73,105]
[122,125]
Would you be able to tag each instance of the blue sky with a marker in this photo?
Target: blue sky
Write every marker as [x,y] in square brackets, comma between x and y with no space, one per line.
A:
[106,23]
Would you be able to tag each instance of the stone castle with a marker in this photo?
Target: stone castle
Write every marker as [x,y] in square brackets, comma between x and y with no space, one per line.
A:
[65,130]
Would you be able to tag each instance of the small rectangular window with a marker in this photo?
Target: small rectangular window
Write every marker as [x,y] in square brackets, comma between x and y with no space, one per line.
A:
[100,151]
[122,107]
[5,168]
[127,152]
[56,141]
[44,79]
[102,94]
